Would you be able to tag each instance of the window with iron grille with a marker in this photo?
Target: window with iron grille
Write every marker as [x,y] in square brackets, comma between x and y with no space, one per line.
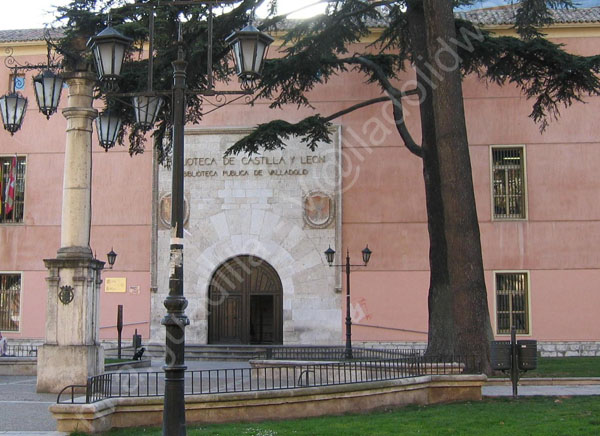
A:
[512,302]
[12,189]
[508,183]
[10,302]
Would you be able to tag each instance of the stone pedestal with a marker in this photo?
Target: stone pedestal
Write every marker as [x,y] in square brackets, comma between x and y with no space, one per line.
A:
[65,365]
[71,352]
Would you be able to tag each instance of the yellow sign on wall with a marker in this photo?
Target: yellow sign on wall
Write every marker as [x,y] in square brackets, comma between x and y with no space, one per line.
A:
[115,284]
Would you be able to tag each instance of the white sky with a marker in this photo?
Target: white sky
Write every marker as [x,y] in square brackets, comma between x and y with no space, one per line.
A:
[31,14]
[26,14]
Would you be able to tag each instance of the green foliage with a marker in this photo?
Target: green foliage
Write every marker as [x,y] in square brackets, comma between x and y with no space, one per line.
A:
[108,361]
[271,136]
[317,49]
[83,19]
[542,70]
[313,51]
[533,14]
[566,367]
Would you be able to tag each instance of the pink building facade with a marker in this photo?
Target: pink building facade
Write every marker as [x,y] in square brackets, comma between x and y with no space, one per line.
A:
[535,193]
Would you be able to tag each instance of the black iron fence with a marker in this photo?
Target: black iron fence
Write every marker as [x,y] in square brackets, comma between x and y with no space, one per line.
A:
[270,378]
[318,353]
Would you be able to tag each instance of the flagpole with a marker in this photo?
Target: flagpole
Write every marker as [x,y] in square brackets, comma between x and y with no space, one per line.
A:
[10,187]
[1,193]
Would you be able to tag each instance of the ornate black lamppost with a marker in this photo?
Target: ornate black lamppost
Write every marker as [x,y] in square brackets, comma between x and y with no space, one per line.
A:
[250,47]
[366,256]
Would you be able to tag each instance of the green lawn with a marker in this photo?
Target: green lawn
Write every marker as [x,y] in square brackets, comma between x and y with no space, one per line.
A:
[538,416]
[108,361]
[566,367]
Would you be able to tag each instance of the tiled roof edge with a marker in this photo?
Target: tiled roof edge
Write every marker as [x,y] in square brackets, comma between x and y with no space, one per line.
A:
[24,35]
[482,17]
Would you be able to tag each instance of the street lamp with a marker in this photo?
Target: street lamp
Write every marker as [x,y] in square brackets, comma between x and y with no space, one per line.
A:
[12,108]
[249,47]
[108,127]
[109,50]
[111,256]
[146,109]
[330,256]
[47,86]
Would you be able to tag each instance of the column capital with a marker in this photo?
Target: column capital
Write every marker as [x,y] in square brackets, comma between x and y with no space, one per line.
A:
[73,76]
[79,112]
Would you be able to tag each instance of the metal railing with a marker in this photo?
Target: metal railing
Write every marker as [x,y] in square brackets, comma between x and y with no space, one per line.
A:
[21,351]
[272,378]
[72,389]
[335,353]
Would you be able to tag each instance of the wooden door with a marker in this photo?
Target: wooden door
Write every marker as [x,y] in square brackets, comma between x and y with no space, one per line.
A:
[245,303]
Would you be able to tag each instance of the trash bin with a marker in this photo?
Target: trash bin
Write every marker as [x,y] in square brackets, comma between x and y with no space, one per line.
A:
[527,354]
[500,355]
[137,341]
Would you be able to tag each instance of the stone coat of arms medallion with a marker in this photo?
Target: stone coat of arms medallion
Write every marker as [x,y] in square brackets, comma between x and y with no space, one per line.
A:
[319,209]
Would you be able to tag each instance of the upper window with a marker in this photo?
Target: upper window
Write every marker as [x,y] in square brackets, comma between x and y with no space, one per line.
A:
[512,302]
[12,189]
[18,80]
[508,183]
[10,302]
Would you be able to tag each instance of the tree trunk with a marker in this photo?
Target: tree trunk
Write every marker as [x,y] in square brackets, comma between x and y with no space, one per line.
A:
[441,316]
[458,311]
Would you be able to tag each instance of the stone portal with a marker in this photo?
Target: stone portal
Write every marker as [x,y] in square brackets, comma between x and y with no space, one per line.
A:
[271,215]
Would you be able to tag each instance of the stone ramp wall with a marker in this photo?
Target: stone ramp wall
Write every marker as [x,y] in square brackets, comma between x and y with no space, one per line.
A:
[271,405]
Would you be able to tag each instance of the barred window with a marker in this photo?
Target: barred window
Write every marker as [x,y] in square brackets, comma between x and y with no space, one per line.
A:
[512,307]
[12,189]
[10,302]
[508,183]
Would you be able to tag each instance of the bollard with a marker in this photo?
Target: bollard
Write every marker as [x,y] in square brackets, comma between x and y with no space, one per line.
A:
[137,341]
[119,328]
[514,367]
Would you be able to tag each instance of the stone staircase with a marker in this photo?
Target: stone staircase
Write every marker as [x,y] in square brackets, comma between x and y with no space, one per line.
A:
[156,351]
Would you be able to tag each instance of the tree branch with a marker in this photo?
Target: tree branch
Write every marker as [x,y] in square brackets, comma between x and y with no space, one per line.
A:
[381,76]
[369,7]
[409,142]
[366,103]
[395,96]
[355,107]
[313,129]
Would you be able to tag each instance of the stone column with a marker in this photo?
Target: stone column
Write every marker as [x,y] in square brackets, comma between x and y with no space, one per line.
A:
[72,352]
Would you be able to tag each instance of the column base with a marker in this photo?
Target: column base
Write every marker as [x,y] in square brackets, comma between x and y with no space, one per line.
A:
[74,252]
[63,365]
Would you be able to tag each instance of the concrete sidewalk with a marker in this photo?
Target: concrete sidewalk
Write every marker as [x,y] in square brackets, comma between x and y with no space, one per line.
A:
[25,412]
[21,408]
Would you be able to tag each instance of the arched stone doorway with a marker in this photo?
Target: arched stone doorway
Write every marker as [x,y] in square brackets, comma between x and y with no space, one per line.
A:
[245,303]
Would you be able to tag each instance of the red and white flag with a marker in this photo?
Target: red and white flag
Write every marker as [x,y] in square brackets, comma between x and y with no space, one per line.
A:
[9,197]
